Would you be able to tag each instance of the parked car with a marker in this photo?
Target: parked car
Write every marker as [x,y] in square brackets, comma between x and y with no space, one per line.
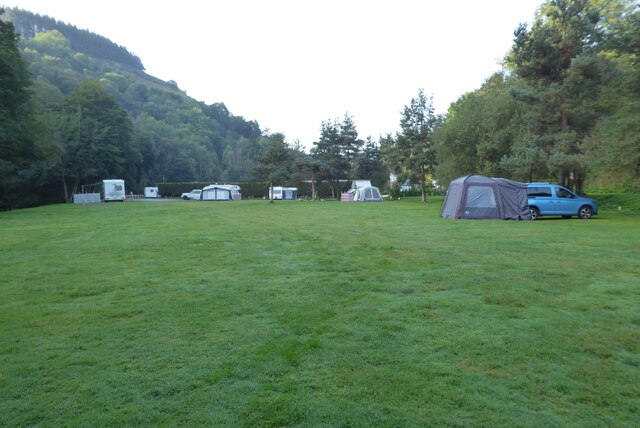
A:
[194,194]
[547,199]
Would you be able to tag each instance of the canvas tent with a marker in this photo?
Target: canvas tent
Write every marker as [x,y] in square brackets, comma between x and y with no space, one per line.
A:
[220,192]
[478,197]
[367,194]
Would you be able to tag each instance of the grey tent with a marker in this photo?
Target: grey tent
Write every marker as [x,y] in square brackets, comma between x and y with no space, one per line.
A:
[475,196]
[367,194]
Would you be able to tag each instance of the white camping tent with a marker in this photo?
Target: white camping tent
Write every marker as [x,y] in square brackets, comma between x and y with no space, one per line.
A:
[221,192]
[367,194]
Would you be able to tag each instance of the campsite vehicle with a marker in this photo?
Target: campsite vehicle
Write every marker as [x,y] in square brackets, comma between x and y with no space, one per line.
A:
[151,192]
[478,197]
[284,193]
[356,184]
[367,194]
[194,194]
[221,192]
[113,190]
[547,199]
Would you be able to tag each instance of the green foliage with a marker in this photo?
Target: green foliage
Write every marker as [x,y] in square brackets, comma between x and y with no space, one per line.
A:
[329,156]
[90,44]
[18,154]
[95,136]
[567,108]
[340,155]
[558,60]
[411,155]
[289,314]
[275,165]
[480,130]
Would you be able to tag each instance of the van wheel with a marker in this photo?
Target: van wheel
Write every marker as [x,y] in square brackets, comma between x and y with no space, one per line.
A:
[534,212]
[585,212]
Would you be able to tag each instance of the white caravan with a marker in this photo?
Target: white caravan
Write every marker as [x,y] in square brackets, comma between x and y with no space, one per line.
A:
[151,192]
[284,193]
[113,190]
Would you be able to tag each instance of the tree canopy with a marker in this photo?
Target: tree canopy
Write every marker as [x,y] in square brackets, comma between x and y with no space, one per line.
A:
[17,149]
[565,107]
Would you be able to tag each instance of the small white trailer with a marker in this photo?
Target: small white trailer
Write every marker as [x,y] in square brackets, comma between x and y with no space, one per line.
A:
[151,192]
[113,190]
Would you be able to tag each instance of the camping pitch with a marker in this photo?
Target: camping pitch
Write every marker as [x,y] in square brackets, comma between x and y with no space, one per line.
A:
[478,197]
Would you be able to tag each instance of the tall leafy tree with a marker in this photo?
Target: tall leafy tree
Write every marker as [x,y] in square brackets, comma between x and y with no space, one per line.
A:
[275,164]
[368,163]
[479,131]
[17,147]
[350,144]
[613,148]
[328,154]
[557,59]
[336,153]
[96,135]
[412,154]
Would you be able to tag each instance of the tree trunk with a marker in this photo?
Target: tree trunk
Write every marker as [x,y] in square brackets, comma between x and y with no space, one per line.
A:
[75,187]
[423,179]
[66,189]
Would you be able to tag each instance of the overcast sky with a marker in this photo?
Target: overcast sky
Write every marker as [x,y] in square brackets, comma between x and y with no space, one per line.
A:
[291,64]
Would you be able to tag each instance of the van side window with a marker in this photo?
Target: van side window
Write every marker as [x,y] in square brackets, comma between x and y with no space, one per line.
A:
[539,191]
[563,193]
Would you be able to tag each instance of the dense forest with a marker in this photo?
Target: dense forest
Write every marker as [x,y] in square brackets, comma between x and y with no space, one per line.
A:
[566,107]
[76,108]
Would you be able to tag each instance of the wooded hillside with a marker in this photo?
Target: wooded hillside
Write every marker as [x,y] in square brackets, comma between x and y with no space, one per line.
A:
[164,134]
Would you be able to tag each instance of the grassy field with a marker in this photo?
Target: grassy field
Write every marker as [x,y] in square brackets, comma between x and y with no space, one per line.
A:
[316,314]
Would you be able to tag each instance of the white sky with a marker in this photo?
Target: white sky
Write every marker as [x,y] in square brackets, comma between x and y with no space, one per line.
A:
[291,64]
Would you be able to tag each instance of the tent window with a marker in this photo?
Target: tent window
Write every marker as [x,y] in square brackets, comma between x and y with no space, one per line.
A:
[480,197]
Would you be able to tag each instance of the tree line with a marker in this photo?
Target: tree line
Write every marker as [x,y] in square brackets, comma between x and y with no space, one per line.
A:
[563,109]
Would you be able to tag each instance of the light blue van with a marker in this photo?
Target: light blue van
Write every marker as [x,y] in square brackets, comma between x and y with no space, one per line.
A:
[547,199]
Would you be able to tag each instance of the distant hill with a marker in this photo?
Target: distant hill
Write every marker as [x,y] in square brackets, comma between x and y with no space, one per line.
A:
[28,25]
[179,138]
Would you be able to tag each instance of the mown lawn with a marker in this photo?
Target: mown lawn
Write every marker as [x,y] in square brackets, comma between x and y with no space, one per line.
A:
[316,314]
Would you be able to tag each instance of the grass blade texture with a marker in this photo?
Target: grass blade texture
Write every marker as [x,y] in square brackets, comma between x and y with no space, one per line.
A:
[251,313]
